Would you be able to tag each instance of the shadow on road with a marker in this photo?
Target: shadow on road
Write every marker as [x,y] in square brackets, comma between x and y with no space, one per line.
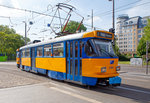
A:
[127,91]
[138,94]
[131,92]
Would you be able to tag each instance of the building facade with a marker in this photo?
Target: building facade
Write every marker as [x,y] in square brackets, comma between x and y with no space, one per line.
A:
[129,32]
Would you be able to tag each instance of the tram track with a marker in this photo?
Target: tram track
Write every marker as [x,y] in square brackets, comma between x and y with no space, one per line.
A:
[43,78]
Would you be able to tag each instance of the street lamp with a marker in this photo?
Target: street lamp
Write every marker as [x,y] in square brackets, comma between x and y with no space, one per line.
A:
[113,22]
[26,30]
[91,19]
[113,15]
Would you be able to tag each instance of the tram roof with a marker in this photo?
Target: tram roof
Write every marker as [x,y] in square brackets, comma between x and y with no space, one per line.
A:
[59,39]
[69,37]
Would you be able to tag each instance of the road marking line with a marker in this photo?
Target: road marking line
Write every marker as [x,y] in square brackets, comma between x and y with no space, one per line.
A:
[137,79]
[136,75]
[71,89]
[76,95]
[135,90]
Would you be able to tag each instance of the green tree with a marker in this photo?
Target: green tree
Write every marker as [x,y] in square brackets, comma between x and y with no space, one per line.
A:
[72,27]
[9,40]
[147,31]
[141,49]
[116,49]
[7,30]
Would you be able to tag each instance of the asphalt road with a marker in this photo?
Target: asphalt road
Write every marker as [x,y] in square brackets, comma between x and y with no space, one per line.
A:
[18,86]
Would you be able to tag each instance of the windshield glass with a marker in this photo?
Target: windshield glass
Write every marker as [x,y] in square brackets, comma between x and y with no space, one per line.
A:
[99,48]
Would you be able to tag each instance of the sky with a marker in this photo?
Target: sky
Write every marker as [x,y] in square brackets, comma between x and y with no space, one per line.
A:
[102,14]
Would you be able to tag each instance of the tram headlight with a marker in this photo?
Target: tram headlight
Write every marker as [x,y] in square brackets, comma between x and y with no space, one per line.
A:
[118,68]
[103,69]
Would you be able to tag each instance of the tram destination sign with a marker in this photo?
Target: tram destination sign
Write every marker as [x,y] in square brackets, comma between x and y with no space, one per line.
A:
[106,35]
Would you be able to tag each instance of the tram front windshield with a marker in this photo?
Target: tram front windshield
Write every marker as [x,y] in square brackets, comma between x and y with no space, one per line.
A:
[99,48]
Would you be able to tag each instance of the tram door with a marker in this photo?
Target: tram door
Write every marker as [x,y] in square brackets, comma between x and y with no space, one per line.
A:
[73,57]
[32,58]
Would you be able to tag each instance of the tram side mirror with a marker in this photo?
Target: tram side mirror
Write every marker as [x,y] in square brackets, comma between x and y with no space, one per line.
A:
[113,42]
[112,30]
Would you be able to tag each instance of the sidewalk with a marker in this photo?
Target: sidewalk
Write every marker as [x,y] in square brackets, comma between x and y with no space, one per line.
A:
[137,66]
[132,69]
[8,63]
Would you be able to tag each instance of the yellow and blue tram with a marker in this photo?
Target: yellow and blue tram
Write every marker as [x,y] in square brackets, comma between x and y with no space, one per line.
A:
[86,58]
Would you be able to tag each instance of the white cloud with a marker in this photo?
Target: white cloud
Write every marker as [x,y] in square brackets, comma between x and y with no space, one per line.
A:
[11,12]
[15,3]
[143,10]
[96,20]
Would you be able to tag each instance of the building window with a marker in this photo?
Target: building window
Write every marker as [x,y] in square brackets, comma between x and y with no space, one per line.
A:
[58,49]
[27,54]
[139,36]
[139,31]
[47,50]
[145,21]
[39,51]
[130,22]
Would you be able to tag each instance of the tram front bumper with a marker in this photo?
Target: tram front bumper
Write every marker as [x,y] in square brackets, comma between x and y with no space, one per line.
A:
[115,81]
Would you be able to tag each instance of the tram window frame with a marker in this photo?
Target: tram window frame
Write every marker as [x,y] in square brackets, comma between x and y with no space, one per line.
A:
[55,47]
[23,53]
[27,52]
[92,53]
[46,46]
[37,51]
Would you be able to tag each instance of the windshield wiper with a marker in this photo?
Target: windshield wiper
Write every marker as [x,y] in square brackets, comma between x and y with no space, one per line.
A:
[106,52]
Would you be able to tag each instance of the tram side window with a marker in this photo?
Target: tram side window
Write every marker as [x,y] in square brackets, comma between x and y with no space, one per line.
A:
[23,53]
[47,50]
[27,53]
[39,51]
[80,48]
[76,49]
[58,49]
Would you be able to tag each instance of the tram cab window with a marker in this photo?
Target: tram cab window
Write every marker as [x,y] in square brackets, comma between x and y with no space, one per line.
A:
[39,51]
[89,49]
[47,50]
[17,54]
[102,48]
[58,49]
[27,53]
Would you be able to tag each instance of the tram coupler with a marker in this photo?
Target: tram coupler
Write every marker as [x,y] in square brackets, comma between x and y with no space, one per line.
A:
[109,82]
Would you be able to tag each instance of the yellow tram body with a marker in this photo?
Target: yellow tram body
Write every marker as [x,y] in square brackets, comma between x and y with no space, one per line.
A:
[88,70]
